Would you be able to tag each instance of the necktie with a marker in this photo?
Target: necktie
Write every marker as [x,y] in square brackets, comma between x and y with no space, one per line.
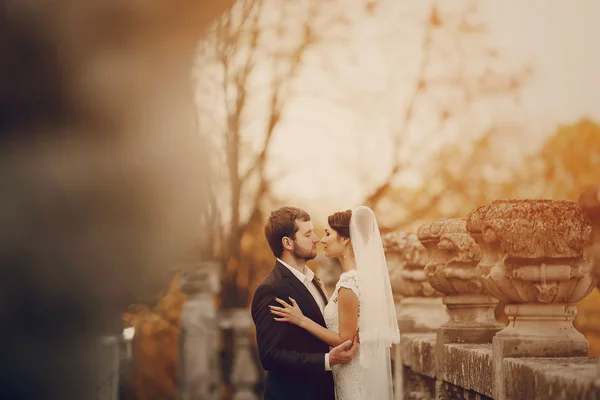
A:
[316,281]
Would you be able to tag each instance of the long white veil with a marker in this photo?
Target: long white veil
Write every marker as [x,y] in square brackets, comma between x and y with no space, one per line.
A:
[378,326]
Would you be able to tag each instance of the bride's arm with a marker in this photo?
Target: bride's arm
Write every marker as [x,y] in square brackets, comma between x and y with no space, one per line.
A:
[347,313]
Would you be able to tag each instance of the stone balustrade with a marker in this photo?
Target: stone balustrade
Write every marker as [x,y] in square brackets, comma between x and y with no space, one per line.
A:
[244,374]
[199,338]
[534,255]
[419,306]
[453,270]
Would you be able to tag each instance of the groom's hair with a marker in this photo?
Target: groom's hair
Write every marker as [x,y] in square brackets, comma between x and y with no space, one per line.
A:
[282,223]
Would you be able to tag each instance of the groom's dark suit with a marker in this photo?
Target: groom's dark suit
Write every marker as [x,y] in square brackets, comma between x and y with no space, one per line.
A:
[293,358]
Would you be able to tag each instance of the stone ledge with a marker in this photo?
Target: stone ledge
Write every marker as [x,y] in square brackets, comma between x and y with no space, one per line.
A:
[551,378]
[469,366]
[417,351]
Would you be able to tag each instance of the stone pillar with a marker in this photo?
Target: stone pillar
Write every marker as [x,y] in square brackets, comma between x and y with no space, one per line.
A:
[533,257]
[244,372]
[108,368]
[200,372]
[453,270]
[590,204]
[419,307]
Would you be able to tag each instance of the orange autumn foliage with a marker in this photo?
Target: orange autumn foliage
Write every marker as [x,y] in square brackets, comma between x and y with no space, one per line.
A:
[572,159]
[572,162]
[155,346]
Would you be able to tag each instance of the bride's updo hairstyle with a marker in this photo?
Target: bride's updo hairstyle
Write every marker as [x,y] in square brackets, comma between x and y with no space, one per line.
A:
[340,222]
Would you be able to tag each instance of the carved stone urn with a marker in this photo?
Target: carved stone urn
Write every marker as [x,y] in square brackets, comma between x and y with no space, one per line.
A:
[453,270]
[419,307]
[533,257]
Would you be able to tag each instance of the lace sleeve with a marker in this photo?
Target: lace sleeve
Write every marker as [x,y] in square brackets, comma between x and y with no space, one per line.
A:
[348,280]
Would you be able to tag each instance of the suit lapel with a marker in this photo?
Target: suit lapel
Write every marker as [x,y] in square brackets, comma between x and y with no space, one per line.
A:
[307,297]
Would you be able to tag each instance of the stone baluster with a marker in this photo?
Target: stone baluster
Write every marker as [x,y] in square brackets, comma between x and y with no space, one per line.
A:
[533,257]
[108,358]
[244,372]
[419,307]
[453,270]
[199,359]
[590,203]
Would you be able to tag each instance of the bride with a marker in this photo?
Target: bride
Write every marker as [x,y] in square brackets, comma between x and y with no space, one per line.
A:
[362,301]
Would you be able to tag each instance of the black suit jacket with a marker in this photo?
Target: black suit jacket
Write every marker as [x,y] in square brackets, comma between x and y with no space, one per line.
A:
[293,358]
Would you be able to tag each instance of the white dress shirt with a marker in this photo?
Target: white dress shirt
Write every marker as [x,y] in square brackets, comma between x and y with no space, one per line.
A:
[306,277]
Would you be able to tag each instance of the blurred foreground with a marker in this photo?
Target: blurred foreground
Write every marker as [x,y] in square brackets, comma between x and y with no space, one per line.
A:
[103,177]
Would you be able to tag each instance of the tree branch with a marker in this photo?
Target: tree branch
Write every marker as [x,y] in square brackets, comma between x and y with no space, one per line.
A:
[377,194]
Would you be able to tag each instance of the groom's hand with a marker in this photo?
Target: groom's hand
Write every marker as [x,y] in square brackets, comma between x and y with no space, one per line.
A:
[344,352]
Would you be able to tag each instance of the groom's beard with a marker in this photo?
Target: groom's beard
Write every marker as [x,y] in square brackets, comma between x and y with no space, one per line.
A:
[302,254]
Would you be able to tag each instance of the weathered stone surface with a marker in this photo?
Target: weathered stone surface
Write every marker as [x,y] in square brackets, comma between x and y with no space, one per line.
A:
[469,366]
[419,307]
[522,346]
[533,250]
[551,378]
[470,373]
[407,259]
[447,391]
[453,270]
[534,257]
[417,351]
[533,229]
[453,257]
[421,314]
[416,386]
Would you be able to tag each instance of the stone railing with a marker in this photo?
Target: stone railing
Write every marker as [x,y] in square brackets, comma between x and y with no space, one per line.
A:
[533,255]
[199,335]
[202,327]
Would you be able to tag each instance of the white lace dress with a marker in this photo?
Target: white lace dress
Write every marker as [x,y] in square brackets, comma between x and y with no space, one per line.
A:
[348,378]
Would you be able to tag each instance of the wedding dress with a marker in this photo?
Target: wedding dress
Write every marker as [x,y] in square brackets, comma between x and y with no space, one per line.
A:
[368,375]
[348,378]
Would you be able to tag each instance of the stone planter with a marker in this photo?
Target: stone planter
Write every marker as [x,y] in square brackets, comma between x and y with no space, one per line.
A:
[533,256]
[453,270]
[419,307]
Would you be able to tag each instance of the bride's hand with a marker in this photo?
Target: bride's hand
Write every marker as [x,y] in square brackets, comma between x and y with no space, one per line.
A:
[323,288]
[288,313]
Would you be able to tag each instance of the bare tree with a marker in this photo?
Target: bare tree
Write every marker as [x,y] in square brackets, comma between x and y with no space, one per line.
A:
[457,68]
[257,51]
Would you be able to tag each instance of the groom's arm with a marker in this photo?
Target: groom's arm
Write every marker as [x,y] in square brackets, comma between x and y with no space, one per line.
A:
[270,336]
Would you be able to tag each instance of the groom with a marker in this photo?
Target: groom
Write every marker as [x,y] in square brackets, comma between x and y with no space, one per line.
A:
[298,364]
